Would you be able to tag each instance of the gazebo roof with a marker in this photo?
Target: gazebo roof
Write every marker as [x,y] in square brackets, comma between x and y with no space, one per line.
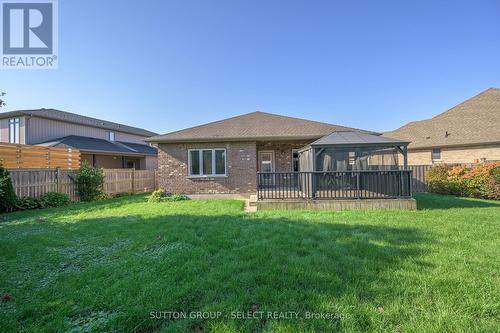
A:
[354,139]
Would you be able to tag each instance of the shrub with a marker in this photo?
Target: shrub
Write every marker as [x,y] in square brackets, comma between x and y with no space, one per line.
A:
[493,185]
[437,179]
[27,203]
[480,181]
[158,196]
[89,182]
[105,196]
[54,199]
[161,196]
[8,197]
[177,197]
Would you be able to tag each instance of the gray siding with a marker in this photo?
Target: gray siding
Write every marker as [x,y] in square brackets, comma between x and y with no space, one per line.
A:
[42,130]
[4,130]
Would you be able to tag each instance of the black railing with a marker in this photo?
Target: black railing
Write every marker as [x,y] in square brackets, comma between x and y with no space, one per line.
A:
[388,184]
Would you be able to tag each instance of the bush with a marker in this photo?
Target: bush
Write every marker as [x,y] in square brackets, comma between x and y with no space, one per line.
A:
[54,199]
[89,182]
[437,179]
[480,181]
[161,196]
[8,197]
[27,203]
[177,197]
[158,196]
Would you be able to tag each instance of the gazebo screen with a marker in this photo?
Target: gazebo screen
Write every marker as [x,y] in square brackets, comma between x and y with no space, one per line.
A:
[350,158]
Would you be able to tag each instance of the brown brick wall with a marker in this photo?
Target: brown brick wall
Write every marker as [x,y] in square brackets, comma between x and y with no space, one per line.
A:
[241,169]
[456,155]
[282,153]
[418,157]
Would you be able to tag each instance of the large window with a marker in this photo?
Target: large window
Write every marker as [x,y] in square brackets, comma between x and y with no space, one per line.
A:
[207,162]
[14,130]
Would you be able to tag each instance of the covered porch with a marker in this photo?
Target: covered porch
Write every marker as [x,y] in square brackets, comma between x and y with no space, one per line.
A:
[342,166]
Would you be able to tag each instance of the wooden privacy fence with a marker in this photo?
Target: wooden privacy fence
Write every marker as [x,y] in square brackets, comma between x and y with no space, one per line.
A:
[15,156]
[129,181]
[36,182]
[419,183]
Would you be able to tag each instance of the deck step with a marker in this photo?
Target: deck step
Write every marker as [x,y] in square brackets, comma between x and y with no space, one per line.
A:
[252,201]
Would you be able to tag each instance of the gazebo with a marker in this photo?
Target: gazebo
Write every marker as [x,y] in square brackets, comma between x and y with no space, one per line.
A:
[344,165]
[353,151]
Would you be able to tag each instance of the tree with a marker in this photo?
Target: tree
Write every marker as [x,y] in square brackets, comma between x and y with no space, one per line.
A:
[8,197]
[2,102]
[89,182]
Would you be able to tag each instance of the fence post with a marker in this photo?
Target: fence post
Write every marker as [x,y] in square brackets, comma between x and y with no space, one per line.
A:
[58,180]
[133,180]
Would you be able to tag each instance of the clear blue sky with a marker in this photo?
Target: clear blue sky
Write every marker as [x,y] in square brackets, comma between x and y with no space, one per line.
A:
[167,65]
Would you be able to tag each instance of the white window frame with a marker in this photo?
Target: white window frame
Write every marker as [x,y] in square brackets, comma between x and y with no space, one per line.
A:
[111,134]
[200,158]
[14,129]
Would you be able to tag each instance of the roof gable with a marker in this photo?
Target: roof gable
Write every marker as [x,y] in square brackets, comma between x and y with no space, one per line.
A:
[253,126]
[475,121]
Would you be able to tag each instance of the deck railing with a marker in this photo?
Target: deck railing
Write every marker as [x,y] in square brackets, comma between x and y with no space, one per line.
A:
[378,184]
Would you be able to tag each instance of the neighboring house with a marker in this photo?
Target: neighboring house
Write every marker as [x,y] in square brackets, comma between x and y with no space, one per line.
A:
[467,133]
[101,143]
[225,156]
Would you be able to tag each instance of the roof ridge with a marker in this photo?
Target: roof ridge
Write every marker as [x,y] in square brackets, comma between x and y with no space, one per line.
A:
[464,102]
[263,113]
[123,127]
[413,122]
[124,145]
[209,123]
[313,121]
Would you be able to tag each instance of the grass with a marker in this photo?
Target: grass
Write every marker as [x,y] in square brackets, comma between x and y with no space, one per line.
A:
[113,265]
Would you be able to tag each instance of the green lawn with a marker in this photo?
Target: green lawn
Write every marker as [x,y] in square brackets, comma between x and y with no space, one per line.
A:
[110,266]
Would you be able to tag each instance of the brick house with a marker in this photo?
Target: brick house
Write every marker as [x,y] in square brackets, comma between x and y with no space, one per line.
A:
[466,133]
[224,157]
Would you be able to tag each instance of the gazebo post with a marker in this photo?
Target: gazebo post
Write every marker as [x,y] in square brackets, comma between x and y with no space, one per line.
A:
[313,179]
[405,157]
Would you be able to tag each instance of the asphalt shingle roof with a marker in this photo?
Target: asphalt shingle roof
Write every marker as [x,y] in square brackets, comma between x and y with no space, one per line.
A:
[351,138]
[254,126]
[77,119]
[84,143]
[475,121]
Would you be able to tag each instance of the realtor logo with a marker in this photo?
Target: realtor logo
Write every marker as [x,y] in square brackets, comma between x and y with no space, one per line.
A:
[29,34]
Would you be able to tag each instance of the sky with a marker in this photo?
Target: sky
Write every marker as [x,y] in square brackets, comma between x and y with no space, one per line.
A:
[167,65]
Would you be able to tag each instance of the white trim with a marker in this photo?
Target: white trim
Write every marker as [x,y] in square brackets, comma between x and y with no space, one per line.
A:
[14,130]
[111,136]
[200,162]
